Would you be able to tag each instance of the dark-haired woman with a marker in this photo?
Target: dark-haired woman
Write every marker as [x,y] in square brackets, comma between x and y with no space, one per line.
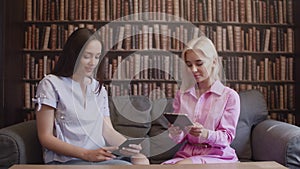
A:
[72,111]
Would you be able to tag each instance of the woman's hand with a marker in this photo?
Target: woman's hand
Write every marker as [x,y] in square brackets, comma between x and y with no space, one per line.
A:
[101,154]
[131,150]
[198,130]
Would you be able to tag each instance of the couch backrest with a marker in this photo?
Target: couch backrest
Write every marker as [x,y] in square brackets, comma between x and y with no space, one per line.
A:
[141,117]
[131,115]
[253,111]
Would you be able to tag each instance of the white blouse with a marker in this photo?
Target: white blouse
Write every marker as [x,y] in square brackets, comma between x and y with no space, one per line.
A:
[76,122]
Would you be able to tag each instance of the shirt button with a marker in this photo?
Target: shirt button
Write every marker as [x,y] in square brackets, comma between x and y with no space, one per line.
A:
[62,117]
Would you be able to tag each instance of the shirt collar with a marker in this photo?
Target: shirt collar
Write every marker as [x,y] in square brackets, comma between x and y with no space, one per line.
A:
[217,88]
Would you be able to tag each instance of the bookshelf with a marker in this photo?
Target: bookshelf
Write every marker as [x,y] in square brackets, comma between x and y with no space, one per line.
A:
[244,58]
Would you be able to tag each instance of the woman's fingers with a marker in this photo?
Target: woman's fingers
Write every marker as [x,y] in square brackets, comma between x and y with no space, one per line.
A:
[135,146]
[130,151]
[107,152]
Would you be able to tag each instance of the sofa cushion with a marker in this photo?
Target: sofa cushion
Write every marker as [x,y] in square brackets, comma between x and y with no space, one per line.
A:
[130,115]
[253,111]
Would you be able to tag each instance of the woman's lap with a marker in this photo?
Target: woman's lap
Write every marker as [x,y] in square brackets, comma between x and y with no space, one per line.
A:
[82,162]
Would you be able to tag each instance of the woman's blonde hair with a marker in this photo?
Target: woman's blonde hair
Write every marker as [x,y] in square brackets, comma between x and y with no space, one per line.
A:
[206,46]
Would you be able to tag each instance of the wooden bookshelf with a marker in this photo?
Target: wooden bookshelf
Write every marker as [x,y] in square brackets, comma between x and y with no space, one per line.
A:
[245,32]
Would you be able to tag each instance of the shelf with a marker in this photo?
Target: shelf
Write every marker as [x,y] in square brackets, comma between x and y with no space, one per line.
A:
[151,22]
[277,53]
[260,41]
[42,51]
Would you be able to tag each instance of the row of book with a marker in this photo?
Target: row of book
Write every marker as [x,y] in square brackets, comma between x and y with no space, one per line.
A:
[249,68]
[153,90]
[37,68]
[145,67]
[287,117]
[277,96]
[122,36]
[138,66]
[240,11]
[166,67]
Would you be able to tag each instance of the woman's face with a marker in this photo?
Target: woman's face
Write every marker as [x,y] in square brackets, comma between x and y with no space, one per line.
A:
[89,58]
[200,66]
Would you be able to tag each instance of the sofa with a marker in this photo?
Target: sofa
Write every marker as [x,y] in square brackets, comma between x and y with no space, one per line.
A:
[257,138]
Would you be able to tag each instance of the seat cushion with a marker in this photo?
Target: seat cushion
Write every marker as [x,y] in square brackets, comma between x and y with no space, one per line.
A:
[253,111]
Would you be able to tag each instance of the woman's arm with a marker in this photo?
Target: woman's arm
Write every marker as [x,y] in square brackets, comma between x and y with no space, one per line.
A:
[224,131]
[111,136]
[45,122]
[175,133]
[114,138]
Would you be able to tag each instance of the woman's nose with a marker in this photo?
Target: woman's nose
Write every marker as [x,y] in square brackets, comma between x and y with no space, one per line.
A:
[194,68]
[94,61]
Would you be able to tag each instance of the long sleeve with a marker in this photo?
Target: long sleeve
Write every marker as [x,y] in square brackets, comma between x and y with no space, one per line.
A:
[224,131]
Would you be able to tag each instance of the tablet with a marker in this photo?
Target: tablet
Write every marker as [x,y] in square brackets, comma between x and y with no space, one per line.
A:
[177,119]
[126,144]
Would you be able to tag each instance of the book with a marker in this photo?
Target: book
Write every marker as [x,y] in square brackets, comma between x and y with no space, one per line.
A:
[71,10]
[248,8]
[267,40]
[95,7]
[120,38]
[53,36]
[164,37]
[290,12]
[237,38]
[29,10]
[127,36]
[230,37]
[102,10]
[145,35]
[46,37]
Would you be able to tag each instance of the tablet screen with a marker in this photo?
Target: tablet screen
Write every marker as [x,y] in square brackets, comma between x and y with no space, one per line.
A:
[177,119]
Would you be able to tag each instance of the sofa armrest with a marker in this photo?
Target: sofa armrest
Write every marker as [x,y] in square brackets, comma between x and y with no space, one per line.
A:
[19,145]
[276,141]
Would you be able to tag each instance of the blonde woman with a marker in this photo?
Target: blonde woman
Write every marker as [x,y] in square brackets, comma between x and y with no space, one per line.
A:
[213,108]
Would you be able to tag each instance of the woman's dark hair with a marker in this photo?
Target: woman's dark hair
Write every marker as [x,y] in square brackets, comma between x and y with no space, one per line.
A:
[66,63]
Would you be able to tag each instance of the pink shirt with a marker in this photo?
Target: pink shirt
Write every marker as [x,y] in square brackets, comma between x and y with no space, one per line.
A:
[217,110]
